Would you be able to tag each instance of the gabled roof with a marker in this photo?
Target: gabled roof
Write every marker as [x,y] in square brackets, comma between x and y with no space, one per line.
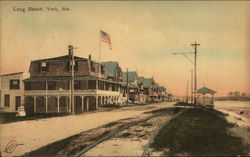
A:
[145,81]
[132,76]
[62,58]
[160,88]
[205,90]
[140,80]
[110,68]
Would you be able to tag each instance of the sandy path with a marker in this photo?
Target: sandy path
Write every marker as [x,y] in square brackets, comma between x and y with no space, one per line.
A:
[139,136]
[37,133]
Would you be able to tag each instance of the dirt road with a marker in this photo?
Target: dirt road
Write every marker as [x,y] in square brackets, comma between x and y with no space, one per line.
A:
[31,135]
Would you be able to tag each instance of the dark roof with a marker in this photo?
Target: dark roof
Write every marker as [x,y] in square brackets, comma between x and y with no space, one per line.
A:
[132,76]
[140,80]
[110,68]
[12,74]
[62,58]
[145,81]
[205,90]
[160,88]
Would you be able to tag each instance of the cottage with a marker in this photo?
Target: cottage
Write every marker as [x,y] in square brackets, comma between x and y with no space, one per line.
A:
[135,94]
[161,91]
[12,91]
[48,90]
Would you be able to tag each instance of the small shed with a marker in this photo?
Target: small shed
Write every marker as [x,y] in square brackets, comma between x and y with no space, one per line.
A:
[204,91]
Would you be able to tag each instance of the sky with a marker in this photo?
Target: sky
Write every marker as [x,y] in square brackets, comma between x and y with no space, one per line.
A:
[143,36]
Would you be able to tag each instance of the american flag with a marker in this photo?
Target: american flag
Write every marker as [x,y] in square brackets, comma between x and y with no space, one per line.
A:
[105,38]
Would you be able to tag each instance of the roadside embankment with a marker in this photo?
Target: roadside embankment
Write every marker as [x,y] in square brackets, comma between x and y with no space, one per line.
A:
[199,131]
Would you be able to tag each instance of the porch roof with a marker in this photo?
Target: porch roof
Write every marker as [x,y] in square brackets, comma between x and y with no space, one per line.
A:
[55,78]
[205,90]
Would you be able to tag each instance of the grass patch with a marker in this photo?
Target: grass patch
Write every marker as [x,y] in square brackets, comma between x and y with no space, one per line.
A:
[11,117]
[110,124]
[146,124]
[102,135]
[52,149]
[199,131]
[136,130]
[166,110]
[125,135]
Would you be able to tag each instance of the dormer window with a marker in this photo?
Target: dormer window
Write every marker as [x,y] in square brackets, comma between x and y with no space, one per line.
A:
[92,66]
[44,67]
[102,69]
[44,64]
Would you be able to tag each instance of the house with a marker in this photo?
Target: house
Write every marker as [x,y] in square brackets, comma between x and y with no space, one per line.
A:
[135,94]
[153,91]
[49,88]
[113,72]
[12,91]
[148,88]
[161,91]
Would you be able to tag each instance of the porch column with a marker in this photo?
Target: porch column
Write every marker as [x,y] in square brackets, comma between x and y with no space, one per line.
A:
[82,103]
[203,99]
[87,103]
[104,85]
[97,84]
[34,104]
[212,99]
[58,105]
[108,99]
[46,104]
[69,107]
[97,102]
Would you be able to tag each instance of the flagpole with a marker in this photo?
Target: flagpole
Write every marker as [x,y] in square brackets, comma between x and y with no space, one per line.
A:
[99,45]
[99,67]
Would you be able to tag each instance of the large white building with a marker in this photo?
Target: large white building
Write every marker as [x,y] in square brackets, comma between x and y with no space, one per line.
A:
[12,91]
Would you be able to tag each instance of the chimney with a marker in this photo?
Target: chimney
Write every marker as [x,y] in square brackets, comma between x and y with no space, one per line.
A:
[90,57]
[70,50]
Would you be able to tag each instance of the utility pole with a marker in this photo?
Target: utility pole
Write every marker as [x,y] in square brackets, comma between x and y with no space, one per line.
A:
[192,93]
[127,87]
[195,71]
[187,91]
[70,48]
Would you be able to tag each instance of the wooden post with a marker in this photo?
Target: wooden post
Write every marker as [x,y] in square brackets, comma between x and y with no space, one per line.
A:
[82,103]
[195,71]
[34,104]
[46,104]
[87,103]
[58,104]
[204,99]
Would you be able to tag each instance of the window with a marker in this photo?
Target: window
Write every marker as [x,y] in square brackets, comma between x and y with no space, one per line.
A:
[44,67]
[92,84]
[77,85]
[102,69]
[51,85]
[6,100]
[14,84]
[92,66]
